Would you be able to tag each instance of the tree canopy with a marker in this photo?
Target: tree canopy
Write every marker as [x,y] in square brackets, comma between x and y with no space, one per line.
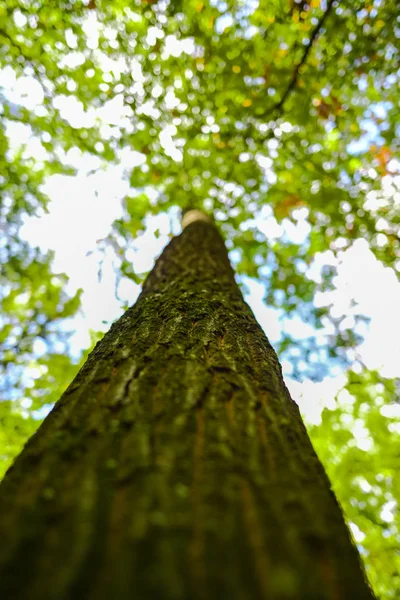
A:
[279,118]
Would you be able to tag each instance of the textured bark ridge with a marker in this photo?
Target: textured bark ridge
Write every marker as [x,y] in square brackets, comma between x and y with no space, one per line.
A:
[176,466]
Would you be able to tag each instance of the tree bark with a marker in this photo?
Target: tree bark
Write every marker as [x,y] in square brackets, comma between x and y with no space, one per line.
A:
[176,466]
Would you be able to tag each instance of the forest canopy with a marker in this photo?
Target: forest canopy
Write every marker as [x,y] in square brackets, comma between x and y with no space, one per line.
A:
[277,117]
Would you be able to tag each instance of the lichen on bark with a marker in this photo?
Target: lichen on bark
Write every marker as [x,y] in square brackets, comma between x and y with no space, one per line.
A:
[176,466]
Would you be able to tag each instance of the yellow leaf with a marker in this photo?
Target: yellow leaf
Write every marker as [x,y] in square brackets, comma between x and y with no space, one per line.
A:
[236,69]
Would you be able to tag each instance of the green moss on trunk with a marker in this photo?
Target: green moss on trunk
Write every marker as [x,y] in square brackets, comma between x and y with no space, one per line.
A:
[176,466]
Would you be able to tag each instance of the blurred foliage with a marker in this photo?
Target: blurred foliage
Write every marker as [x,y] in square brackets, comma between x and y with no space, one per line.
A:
[45,379]
[19,419]
[264,113]
[358,442]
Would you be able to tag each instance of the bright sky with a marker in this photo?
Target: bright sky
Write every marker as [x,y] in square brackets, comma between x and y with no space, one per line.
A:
[83,207]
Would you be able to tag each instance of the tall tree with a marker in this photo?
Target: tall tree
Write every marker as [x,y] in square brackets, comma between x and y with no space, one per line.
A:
[176,464]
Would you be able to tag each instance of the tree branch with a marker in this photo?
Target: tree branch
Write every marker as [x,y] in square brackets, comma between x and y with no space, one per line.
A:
[295,76]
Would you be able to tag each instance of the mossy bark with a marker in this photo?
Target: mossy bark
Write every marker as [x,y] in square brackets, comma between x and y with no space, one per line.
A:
[176,466]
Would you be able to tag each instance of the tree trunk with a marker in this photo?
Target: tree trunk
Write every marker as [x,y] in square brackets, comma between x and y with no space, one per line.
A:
[176,466]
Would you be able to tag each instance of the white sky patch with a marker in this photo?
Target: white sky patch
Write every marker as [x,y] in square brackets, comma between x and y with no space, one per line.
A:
[314,272]
[24,91]
[19,134]
[157,91]
[391,410]
[113,111]
[223,22]
[148,109]
[175,47]
[358,535]
[154,34]
[270,227]
[114,66]
[268,318]
[168,144]
[297,328]
[130,158]
[91,27]
[361,435]
[19,19]
[83,207]
[72,39]
[389,194]
[388,510]
[135,69]
[171,101]
[149,246]
[265,222]
[72,60]
[265,163]
[313,396]
[20,137]
[296,232]
[365,286]
[72,110]
[80,213]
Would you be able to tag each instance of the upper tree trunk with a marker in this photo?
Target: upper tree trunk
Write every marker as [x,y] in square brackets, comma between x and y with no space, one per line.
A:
[176,466]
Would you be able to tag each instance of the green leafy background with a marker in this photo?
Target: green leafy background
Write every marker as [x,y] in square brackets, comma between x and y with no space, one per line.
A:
[249,110]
